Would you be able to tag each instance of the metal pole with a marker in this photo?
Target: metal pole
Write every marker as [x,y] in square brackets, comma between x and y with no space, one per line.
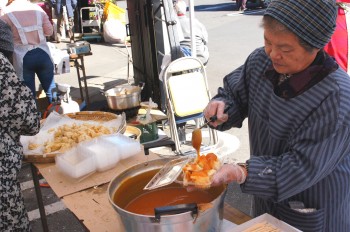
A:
[193,40]
[39,197]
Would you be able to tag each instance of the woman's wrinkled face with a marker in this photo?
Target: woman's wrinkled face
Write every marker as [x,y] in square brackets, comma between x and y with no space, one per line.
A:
[286,53]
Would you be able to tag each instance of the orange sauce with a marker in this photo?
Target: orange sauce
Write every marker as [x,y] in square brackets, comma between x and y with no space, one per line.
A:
[197,140]
[145,203]
[131,196]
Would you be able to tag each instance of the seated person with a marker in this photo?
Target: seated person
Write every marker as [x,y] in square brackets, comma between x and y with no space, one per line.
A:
[200,32]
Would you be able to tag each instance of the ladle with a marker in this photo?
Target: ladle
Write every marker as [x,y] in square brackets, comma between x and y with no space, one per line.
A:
[197,133]
[197,140]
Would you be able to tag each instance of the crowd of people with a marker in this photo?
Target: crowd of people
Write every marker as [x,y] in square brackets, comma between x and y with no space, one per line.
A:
[64,10]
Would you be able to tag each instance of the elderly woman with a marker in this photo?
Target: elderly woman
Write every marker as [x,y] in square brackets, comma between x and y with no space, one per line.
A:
[19,116]
[296,99]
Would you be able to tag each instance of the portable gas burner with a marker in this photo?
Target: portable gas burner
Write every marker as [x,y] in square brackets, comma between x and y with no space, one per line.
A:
[129,113]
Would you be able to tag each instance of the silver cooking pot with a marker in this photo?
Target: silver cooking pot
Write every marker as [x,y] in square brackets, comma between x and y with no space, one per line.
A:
[166,219]
[123,97]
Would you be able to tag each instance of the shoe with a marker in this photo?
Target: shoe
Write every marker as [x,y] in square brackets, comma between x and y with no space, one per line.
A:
[58,40]
[71,39]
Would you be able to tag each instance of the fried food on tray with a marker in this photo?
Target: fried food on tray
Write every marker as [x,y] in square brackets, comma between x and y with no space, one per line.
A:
[33,146]
[67,136]
[200,171]
[263,227]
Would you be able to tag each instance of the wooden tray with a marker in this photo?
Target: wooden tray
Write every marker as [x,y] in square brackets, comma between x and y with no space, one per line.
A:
[83,115]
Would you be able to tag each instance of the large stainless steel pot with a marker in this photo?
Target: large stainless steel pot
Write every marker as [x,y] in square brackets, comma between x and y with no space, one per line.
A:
[123,97]
[184,220]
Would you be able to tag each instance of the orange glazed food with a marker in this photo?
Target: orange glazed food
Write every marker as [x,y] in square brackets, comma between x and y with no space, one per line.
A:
[200,171]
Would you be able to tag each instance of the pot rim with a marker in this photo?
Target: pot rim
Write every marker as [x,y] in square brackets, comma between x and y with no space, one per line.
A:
[142,216]
[136,90]
[123,96]
[136,166]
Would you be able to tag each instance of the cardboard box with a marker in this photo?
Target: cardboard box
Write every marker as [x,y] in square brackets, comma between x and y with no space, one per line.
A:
[80,47]
[284,227]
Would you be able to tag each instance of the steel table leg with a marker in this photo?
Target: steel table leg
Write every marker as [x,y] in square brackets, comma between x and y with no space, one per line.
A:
[82,66]
[39,197]
[77,66]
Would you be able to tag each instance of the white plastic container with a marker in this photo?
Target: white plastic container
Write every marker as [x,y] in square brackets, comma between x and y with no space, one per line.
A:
[126,146]
[105,154]
[99,154]
[75,164]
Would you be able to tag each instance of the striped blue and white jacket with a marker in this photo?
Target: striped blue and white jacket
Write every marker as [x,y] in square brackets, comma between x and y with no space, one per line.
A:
[300,147]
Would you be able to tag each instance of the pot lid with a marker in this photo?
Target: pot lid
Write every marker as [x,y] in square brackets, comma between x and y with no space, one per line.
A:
[168,174]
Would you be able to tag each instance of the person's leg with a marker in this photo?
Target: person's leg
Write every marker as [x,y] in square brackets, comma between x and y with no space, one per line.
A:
[238,4]
[244,4]
[60,27]
[29,64]
[70,30]
[45,73]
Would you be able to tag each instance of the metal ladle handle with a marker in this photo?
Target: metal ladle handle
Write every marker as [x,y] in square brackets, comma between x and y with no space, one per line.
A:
[214,118]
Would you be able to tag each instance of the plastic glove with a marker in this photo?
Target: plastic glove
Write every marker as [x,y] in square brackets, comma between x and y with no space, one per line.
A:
[215,108]
[229,173]
[226,174]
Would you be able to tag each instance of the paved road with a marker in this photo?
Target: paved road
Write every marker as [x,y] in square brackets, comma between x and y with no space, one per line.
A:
[232,36]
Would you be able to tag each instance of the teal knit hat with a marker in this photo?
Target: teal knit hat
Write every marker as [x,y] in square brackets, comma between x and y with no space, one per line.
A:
[311,20]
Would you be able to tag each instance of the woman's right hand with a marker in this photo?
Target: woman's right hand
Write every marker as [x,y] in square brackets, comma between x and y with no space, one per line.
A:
[217,108]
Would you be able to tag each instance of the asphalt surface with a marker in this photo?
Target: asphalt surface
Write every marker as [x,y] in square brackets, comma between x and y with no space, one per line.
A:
[232,36]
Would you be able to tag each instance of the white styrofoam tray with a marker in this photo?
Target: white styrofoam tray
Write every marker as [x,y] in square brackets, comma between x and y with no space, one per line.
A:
[75,165]
[284,227]
[99,154]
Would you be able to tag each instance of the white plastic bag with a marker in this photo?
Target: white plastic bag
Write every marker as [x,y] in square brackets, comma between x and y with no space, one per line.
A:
[114,31]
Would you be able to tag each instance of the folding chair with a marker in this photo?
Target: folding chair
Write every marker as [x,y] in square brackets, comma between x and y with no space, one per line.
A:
[186,94]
